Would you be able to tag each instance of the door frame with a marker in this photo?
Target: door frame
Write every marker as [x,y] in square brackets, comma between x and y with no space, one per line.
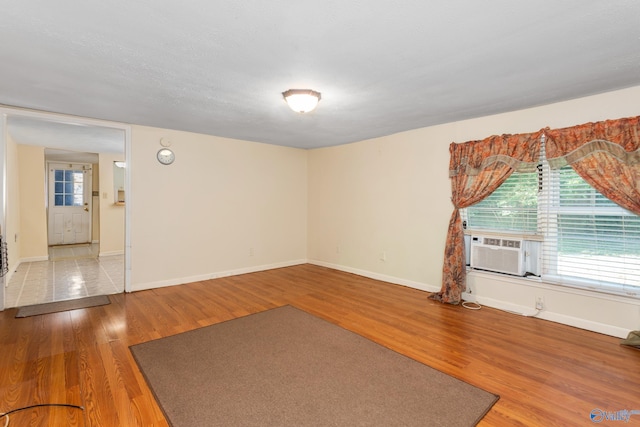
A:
[3,185]
[6,112]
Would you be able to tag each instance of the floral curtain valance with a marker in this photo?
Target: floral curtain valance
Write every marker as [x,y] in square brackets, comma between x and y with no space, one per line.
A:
[605,154]
[515,151]
[619,138]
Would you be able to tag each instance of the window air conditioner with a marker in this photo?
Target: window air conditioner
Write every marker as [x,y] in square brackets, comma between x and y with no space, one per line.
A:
[495,253]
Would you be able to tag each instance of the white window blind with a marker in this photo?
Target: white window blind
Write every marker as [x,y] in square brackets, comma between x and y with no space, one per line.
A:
[512,207]
[589,240]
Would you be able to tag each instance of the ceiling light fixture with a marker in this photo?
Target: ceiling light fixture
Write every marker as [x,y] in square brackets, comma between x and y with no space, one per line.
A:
[301,100]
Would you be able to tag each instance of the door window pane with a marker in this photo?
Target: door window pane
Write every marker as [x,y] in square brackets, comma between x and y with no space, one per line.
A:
[68,187]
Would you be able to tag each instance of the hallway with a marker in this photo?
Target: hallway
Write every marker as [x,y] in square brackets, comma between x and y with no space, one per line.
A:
[71,272]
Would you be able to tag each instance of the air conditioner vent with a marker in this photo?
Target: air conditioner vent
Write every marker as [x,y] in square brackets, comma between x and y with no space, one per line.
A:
[490,241]
[511,243]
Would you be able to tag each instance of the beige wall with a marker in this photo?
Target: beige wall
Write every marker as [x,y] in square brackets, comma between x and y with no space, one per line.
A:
[12,219]
[383,198]
[223,207]
[112,216]
[392,195]
[33,216]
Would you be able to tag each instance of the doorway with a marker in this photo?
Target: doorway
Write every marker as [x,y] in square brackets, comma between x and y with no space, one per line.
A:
[71,216]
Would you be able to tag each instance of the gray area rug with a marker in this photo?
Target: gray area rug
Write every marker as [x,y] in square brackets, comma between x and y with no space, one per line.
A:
[285,367]
[54,307]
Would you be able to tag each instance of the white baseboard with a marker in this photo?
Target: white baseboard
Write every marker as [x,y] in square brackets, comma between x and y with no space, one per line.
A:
[34,259]
[577,322]
[111,253]
[489,302]
[378,276]
[215,275]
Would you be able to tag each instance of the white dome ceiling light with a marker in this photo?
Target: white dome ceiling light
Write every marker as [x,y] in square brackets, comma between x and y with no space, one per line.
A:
[302,100]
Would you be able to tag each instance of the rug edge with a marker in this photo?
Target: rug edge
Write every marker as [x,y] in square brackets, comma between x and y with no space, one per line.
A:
[222,322]
[496,398]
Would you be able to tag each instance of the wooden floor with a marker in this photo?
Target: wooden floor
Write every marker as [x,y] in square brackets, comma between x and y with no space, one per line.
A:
[546,374]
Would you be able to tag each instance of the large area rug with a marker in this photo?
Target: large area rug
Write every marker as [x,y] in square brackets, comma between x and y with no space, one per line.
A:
[285,367]
[54,307]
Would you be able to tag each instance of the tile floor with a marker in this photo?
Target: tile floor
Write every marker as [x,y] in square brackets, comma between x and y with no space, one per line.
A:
[71,272]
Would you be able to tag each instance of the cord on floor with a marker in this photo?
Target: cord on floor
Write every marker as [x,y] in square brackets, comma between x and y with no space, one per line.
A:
[475,306]
[6,414]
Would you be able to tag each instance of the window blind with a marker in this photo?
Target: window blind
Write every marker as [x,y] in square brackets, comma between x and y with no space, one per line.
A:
[588,239]
[512,207]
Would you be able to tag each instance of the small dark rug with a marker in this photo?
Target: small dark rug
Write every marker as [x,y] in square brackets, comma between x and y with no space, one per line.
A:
[54,307]
[285,367]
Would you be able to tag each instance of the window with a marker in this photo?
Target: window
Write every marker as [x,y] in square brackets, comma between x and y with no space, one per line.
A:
[512,207]
[69,187]
[588,240]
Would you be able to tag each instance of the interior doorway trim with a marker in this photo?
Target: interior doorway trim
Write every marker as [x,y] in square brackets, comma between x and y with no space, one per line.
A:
[3,181]
[6,112]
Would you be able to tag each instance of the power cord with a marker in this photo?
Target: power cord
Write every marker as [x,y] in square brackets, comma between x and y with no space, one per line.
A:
[67,405]
[475,306]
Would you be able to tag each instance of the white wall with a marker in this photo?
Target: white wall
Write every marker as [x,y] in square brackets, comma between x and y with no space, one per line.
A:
[33,214]
[383,198]
[12,214]
[112,216]
[392,195]
[223,207]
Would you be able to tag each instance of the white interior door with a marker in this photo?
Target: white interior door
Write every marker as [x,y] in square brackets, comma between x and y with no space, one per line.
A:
[69,203]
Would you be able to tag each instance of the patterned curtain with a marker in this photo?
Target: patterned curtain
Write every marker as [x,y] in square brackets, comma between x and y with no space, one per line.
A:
[476,169]
[605,154]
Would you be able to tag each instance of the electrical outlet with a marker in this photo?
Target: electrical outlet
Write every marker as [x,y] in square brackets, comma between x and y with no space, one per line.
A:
[539,303]
[383,256]
[250,251]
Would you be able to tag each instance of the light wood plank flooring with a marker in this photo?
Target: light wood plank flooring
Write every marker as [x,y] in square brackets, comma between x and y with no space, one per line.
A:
[546,374]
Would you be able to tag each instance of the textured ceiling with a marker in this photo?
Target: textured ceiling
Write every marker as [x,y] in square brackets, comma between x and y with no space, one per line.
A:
[383,66]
